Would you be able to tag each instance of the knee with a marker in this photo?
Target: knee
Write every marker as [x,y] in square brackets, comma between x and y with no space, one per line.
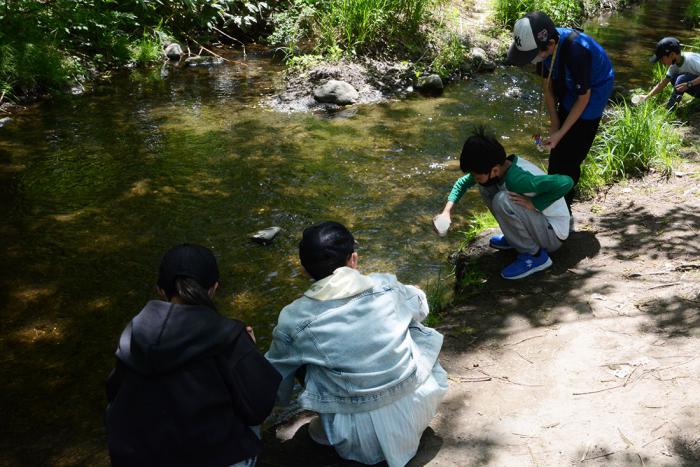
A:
[501,203]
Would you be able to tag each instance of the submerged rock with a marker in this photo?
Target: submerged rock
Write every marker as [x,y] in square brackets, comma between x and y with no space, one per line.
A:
[431,84]
[265,236]
[173,51]
[203,61]
[4,121]
[480,60]
[336,92]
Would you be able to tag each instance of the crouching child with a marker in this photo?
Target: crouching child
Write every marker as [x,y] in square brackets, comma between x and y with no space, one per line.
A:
[371,368]
[528,205]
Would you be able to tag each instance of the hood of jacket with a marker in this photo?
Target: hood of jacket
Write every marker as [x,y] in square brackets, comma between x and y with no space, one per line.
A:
[345,282]
[165,336]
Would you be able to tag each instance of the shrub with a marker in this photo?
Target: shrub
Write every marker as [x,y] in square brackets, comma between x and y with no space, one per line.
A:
[692,13]
[146,50]
[562,12]
[632,140]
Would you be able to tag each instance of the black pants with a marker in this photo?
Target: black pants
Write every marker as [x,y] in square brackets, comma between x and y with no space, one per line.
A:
[566,158]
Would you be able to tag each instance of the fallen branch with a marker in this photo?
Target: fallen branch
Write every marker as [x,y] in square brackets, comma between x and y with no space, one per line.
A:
[655,439]
[527,339]
[670,284]
[598,457]
[508,380]
[214,53]
[461,379]
[232,38]
[521,356]
[599,390]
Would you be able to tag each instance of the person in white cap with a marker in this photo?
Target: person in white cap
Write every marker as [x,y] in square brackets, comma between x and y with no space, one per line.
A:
[578,81]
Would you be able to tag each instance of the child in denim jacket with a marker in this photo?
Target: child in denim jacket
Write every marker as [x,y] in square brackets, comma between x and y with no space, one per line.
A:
[371,368]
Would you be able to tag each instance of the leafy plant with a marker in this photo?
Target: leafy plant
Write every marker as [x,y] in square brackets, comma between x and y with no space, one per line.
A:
[562,12]
[692,12]
[632,141]
[439,298]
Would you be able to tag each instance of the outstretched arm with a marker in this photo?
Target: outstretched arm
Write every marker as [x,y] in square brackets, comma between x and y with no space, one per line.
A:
[658,88]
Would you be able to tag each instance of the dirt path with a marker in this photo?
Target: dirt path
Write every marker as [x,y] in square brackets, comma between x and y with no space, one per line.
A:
[595,361]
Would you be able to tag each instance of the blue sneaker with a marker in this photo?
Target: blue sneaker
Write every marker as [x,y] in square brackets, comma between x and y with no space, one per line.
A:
[527,264]
[499,242]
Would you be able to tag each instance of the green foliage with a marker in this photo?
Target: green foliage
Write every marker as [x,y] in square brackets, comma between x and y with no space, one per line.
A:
[476,224]
[562,12]
[439,298]
[451,55]
[347,25]
[631,141]
[147,50]
[47,45]
[692,12]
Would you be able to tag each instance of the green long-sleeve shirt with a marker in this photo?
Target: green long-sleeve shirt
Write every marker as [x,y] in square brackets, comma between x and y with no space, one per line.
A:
[541,188]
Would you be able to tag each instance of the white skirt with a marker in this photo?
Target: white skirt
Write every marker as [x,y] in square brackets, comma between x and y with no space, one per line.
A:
[391,433]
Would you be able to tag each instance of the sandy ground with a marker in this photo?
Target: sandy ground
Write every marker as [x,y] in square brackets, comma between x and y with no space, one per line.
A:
[595,361]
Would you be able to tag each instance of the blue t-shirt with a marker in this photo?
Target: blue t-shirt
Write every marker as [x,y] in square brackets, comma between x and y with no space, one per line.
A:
[586,66]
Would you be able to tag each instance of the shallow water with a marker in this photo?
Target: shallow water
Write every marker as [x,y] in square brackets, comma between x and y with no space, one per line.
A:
[96,187]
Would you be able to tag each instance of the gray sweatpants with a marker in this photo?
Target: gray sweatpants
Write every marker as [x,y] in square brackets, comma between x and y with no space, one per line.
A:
[527,231]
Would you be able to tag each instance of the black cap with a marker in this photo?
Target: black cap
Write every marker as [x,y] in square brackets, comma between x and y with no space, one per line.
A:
[188,260]
[325,247]
[664,47]
[530,33]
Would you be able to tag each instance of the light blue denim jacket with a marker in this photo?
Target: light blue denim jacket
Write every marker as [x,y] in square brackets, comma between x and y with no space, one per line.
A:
[361,352]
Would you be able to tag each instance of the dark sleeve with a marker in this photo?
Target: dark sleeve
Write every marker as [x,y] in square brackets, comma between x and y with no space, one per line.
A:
[251,379]
[114,381]
[579,62]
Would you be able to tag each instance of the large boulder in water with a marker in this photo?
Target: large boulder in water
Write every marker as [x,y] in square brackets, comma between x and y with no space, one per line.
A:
[336,92]
[480,61]
[431,84]
[173,51]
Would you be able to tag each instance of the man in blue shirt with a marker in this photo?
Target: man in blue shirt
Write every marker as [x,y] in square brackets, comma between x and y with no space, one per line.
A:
[578,81]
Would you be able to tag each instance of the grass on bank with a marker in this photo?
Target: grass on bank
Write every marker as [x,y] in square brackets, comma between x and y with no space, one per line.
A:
[692,13]
[562,12]
[419,30]
[631,141]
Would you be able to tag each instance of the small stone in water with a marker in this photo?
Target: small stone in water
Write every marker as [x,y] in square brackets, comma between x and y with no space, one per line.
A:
[265,236]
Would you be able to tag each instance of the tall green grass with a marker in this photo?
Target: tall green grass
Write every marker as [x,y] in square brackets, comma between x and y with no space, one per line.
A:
[562,12]
[692,12]
[476,224]
[348,25]
[632,141]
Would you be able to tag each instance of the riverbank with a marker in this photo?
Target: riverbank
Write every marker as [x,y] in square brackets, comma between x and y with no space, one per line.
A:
[593,361]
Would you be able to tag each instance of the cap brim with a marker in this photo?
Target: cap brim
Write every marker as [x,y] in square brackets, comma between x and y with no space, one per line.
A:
[653,59]
[519,57]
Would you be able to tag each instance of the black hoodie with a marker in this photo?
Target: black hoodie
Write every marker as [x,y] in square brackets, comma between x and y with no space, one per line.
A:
[187,385]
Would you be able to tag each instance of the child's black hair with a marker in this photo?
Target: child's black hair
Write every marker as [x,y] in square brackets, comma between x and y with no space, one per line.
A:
[324,248]
[481,152]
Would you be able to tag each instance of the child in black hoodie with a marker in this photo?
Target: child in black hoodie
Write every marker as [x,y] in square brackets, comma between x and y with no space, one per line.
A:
[188,383]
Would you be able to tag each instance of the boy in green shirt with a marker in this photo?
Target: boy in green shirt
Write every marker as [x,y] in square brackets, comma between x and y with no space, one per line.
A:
[528,205]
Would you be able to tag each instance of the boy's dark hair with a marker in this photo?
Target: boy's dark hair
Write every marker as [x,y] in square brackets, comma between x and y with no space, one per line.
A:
[188,271]
[481,152]
[324,248]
